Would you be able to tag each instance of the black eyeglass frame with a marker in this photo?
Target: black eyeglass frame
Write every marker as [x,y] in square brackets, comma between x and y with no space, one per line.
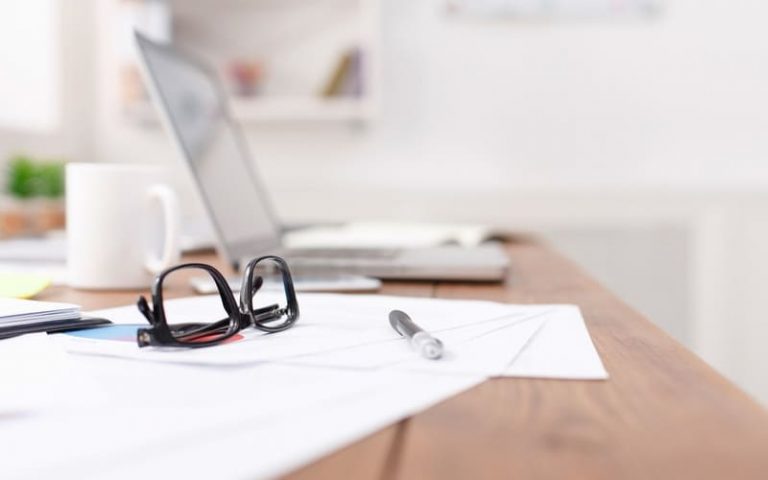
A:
[244,316]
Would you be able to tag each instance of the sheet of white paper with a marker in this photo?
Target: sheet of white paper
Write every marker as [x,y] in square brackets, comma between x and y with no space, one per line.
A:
[387,235]
[398,351]
[485,349]
[328,322]
[561,349]
[209,422]
[488,354]
[30,371]
[267,450]
[351,331]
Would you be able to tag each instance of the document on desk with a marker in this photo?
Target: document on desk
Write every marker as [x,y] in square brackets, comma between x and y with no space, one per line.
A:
[549,341]
[480,349]
[387,235]
[30,373]
[179,421]
[352,332]
[354,327]
[562,348]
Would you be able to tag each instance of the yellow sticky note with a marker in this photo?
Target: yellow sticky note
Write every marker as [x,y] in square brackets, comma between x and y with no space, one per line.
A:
[22,285]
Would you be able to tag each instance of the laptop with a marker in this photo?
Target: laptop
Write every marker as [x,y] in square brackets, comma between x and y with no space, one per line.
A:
[194,109]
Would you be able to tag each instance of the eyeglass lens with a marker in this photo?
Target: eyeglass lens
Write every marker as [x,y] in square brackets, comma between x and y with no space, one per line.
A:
[190,325]
[269,304]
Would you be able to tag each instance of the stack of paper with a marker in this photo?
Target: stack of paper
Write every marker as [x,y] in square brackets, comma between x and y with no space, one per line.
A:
[267,404]
[15,312]
[388,235]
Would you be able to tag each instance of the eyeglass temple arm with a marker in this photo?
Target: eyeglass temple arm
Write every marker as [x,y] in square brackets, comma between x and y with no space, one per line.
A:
[146,310]
[257,284]
[245,320]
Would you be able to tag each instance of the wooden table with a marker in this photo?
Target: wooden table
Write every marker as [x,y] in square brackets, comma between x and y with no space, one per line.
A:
[663,413]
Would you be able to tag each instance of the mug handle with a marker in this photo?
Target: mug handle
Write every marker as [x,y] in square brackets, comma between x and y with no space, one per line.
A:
[171,252]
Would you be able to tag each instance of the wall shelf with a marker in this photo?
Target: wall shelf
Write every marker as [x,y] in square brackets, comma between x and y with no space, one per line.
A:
[277,109]
[266,110]
[300,45]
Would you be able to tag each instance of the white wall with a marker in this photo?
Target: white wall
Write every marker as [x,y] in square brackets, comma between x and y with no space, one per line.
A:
[69,133]
[498,105]
[678,100]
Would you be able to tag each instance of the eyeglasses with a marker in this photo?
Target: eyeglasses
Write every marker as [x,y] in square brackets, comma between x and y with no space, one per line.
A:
[178,330]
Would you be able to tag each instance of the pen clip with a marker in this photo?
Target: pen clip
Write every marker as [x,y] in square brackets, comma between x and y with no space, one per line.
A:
[395,321]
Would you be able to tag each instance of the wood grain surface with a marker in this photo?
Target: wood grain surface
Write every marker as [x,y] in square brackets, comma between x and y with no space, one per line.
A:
[662,414]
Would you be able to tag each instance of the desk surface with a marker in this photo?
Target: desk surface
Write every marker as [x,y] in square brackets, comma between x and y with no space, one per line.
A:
[663,413]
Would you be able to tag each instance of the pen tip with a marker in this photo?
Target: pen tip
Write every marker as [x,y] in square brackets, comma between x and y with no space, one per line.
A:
[433,351]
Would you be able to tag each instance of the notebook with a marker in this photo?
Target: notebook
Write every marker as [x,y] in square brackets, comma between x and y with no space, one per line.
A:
[28,316]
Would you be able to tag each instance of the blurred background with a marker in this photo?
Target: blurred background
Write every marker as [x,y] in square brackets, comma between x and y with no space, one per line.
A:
[630,134]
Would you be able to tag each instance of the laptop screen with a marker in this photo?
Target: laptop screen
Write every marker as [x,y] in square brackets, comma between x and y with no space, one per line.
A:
[214,149]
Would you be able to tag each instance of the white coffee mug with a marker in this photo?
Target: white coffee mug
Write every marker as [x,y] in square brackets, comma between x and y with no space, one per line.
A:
[122,225]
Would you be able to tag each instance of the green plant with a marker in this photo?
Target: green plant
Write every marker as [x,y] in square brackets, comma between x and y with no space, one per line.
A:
[51,179]
[21,173]
[27,178]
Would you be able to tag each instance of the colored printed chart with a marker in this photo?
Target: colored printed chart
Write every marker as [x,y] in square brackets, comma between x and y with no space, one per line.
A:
[121,333]
[125,333]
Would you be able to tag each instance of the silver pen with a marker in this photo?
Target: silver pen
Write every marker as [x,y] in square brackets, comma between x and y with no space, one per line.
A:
[426,344]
